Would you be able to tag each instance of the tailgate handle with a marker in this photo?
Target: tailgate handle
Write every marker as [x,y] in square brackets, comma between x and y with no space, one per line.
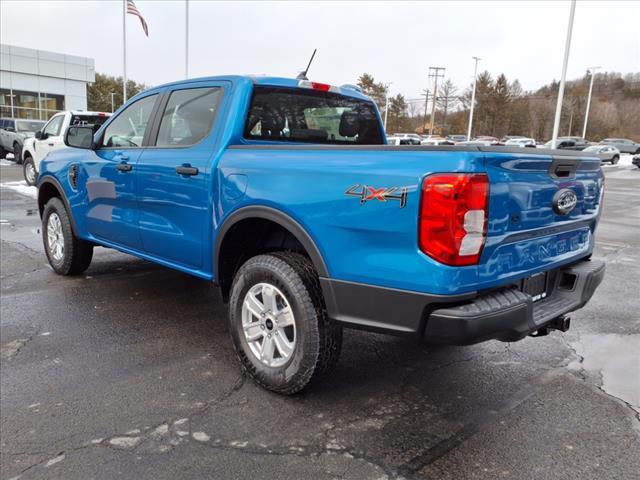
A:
[563,169]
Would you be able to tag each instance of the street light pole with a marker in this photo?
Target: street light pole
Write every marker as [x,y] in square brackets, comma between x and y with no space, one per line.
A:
[386,105]
[567,48]
[473,96]
[592,70]
[112,102]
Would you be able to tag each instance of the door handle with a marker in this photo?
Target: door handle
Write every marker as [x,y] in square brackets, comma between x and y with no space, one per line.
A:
[186,170]
[50,144]
[123,167]
[122,156]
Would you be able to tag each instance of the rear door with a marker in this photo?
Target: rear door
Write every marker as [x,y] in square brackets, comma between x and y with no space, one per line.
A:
[175,177]
[542,212]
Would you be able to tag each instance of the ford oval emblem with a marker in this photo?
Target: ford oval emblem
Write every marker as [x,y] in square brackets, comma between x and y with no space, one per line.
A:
[564,201]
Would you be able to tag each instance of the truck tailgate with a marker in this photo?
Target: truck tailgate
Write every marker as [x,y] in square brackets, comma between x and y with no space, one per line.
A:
[543,212]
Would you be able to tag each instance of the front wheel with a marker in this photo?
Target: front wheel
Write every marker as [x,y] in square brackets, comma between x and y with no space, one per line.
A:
[615,159]
[278,322]
[67,254]
[29,171]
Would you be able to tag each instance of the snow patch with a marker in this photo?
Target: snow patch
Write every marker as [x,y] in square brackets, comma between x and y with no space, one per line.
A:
[201,436]
[55,460]
[21,187]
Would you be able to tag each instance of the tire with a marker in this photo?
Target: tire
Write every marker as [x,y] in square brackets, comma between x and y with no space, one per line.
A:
[3,153]
[17,153]
[73,255]
[314,341]
[614,159]
[29,171]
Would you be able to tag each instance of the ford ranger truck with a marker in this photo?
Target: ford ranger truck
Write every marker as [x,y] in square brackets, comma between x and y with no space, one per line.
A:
[284,194]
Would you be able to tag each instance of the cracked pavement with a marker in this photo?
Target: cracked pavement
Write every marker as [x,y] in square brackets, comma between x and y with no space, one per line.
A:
[128,371]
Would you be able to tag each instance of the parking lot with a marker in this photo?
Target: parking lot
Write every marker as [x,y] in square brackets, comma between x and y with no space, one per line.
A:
[128,371]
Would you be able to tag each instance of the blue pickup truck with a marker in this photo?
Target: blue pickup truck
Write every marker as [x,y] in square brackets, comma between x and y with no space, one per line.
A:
[284,193]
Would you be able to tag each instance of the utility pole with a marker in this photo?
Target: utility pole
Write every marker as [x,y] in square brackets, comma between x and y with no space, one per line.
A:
[426,104]
[473,97]
[434,72]
[567,48]
[113,94]
[591,70]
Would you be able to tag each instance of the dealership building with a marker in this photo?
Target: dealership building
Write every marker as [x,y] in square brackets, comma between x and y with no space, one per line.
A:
[35,84]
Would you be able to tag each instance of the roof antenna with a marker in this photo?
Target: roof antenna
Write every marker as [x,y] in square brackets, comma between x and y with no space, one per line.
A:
[303,75]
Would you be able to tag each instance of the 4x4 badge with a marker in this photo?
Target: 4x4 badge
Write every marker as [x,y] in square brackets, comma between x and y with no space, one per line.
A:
[367,192]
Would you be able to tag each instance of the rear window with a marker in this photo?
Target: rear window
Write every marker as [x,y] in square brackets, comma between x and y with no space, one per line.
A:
[310,116]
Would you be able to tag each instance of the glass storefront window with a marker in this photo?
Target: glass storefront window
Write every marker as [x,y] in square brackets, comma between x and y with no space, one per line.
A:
[27,105]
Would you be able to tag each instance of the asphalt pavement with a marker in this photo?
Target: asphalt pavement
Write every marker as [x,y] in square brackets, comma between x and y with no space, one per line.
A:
[128,372]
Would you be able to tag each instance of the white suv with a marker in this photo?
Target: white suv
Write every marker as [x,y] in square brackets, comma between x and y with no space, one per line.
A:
[51,137]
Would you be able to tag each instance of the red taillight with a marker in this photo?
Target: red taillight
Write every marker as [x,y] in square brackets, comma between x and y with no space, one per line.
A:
[320,86]
[453,217]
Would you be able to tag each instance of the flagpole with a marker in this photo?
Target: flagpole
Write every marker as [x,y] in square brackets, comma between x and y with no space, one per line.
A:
[124,50]
[186,39]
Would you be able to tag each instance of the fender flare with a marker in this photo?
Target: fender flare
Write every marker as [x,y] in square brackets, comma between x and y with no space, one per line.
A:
[276,216]
[56,184]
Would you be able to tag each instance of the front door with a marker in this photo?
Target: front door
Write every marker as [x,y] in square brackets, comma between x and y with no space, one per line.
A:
[50,139]
[174,176]
[112,208]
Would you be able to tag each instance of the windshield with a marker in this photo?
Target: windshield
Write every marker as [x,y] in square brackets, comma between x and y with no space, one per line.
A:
[28,125]
[311,116]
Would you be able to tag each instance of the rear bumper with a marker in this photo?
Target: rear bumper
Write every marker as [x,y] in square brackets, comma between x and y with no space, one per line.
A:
[506,314]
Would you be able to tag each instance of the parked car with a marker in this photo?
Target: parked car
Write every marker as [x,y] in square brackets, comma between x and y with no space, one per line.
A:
[521,142]
[475,143]
[486,138]
[283,193]
[50,138]
[636,160]
[457,138]
[436,140]
[13,132]
[606,153]
[568,143]
[398,141]
[623,144]
[506,138]
[413,138]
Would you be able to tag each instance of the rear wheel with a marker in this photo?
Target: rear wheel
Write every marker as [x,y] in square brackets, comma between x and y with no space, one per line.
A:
[17,153]
[29,170]
[278,322]
[3,153]
[615,159]
[67,254]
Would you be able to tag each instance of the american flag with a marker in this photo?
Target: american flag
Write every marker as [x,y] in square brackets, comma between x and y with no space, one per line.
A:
[133,10]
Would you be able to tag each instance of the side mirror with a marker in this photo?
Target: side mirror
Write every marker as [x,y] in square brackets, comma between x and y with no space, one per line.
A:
[79,137]
[40,135]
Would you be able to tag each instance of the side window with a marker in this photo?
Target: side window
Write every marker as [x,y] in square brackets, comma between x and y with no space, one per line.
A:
[52,128]
[188,116]
[127,129]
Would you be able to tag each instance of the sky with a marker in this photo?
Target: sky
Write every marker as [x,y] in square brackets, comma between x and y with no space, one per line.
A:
[396,41]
